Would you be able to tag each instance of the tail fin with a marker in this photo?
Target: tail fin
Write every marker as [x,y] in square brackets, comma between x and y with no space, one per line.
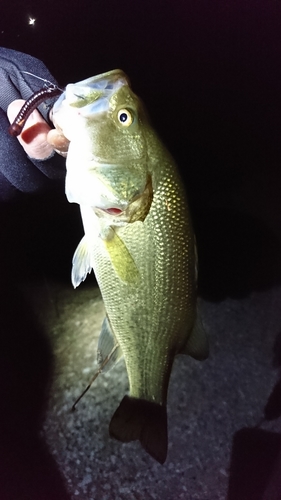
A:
[143,420]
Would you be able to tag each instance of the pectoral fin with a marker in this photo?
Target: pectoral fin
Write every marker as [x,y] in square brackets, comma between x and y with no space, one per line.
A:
[106,344]
[197,345]
[81,263]
[121,259]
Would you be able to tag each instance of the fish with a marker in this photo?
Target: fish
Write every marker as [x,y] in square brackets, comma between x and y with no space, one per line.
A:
[139,242]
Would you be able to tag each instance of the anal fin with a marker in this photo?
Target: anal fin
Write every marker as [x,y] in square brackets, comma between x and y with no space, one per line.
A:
[144,420]
[107,342]
[109,353]
[197,345]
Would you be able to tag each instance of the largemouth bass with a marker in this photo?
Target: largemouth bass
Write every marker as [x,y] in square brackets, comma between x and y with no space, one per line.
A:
[139,242]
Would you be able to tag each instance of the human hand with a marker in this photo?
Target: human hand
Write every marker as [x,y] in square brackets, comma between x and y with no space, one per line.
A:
[37,138]
[28,164]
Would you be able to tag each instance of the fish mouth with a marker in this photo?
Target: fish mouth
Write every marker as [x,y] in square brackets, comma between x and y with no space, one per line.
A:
[105,82]
[93,94]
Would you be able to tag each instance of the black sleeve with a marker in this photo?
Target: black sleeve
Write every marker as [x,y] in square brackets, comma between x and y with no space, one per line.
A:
[17,171]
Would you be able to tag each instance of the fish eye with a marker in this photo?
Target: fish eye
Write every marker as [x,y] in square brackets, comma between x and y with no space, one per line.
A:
[125,117]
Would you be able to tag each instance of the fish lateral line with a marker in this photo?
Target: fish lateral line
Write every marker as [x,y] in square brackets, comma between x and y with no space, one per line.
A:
[95,376]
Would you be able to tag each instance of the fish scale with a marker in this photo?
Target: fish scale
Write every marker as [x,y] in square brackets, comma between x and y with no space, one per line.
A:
[162,296]
[139,242]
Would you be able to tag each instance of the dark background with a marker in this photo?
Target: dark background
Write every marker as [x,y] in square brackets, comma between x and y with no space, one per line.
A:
[209,74]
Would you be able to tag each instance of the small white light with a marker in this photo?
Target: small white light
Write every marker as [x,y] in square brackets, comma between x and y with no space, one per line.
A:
[31,21]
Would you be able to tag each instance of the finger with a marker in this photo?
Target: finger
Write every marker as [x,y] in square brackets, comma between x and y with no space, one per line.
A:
[58,141]
[33,138]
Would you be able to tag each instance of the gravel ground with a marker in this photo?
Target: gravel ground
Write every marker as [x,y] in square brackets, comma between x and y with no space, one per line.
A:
[220,445]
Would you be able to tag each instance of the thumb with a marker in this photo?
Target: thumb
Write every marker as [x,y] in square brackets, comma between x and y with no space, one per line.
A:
[33,138]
